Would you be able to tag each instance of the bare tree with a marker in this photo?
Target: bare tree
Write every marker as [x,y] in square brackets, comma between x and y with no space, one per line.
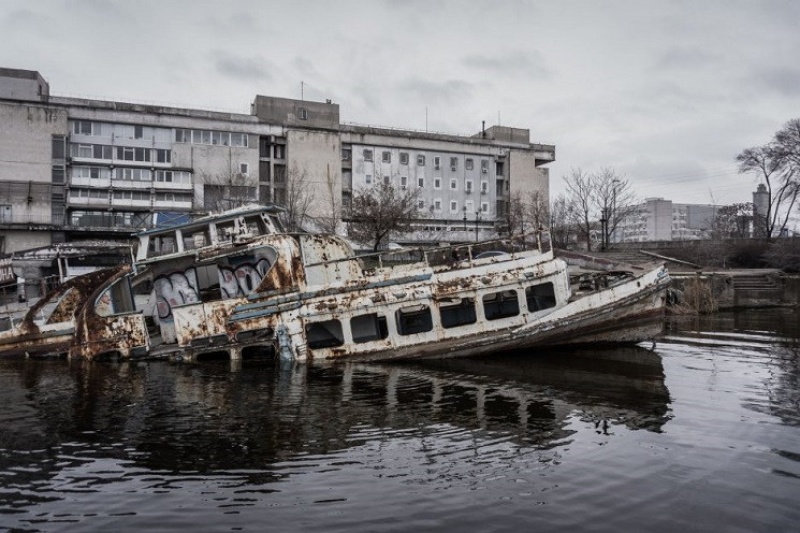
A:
[580,191]
[298,200]
[732,221]
[527,212]
[537,210]
[614,199]
[560,220]
[377,212]
[228,190]
[777,163]
[515,214]
[330,221]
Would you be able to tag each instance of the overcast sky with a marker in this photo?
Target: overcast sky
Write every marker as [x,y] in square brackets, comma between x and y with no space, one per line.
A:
[664,92]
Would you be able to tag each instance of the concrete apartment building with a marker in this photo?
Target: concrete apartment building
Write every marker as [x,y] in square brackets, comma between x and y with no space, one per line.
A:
[657,219]
[76,169]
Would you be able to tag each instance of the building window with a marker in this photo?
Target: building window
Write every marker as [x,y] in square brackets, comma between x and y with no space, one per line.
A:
[59,147]
[485,166]
[85,127]
[468,206]
[437,162]
[484,187]
[500,168]
[470,164]
[183,136]
[163,156]
[420,205]
[437,205]
[346,154]
[421,183]
[387,180]
[500,305]
[484,207]
[420,160]
[386,157]
[403,158]
[453,184]
[244,169]
[453,206]
[403,182]
[368,179]
[102,151]
[58,174]
[303,114]
[468,186]
[367,155]
[239,139]
[138,132]
[453,163]
[437,183]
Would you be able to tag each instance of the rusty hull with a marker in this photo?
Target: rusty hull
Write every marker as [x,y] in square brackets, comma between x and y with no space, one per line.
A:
[73,328]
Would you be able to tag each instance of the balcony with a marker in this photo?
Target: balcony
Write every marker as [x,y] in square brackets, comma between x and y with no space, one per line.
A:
[127,202]
[82,201]
[131,184]
[172,186]
[172,204]
[102,183]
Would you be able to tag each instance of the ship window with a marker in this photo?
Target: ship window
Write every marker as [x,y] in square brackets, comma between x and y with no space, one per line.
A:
[371,327]
[540,297]
[458,313]
[415,319]
[500,305]
[325,334]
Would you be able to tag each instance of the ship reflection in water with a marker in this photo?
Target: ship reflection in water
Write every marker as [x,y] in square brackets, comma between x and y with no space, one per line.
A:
[611,440]
[218,415]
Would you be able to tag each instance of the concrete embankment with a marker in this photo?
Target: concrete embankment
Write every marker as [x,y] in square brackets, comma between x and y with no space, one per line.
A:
[724,288]
[742,288]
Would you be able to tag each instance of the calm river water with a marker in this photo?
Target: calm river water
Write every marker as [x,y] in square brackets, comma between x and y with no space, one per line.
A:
[700,434]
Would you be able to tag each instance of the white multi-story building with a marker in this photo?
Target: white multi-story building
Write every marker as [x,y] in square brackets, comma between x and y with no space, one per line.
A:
[72,169]
[657,219]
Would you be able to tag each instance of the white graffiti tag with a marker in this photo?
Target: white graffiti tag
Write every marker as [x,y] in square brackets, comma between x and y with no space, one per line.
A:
[175,289]
[243,279]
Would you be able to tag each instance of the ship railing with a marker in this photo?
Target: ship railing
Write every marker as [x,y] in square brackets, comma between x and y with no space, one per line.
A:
[460,255]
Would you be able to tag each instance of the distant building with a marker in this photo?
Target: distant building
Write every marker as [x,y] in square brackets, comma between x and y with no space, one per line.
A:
[657,219]
[76,169]
[760,210]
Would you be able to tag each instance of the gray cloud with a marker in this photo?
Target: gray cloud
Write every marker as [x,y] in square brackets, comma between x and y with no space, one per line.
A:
[528,63]
[254,68]
[784,81]
[683,57]
[436,92]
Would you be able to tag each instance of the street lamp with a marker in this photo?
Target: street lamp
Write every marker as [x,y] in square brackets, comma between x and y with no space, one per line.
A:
[614,184]
[603,229]
[465,217]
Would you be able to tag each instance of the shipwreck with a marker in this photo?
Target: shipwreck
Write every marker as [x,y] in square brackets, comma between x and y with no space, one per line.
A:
[235,283]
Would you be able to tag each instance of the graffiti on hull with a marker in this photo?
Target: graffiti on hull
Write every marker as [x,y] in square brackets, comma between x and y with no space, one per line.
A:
[231,278]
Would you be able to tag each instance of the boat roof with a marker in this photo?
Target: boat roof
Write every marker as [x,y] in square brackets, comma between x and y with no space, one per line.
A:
[229,214]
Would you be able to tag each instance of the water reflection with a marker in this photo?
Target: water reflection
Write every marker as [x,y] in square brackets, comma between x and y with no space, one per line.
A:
[580,439]
[207,418]
[762,341]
